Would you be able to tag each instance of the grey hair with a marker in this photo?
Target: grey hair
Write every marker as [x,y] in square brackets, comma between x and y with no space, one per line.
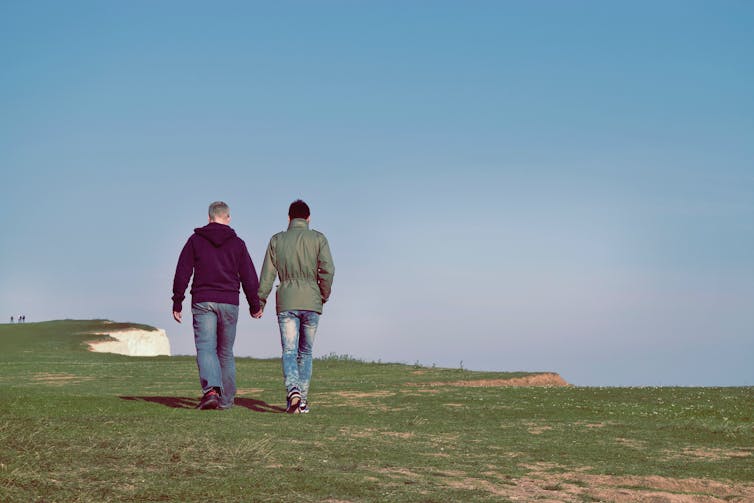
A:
[218,209]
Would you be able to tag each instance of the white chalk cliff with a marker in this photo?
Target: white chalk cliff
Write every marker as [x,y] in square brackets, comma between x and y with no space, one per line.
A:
[134,343]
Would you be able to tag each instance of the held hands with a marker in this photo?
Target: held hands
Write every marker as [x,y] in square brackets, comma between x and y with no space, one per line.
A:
[258,314]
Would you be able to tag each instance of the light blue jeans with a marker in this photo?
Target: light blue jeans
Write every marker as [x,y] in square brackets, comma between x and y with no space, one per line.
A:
[214,335]
[297,331]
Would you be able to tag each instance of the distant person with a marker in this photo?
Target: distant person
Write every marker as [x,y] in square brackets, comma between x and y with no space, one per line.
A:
[11,319]
[301,258]
[220,264]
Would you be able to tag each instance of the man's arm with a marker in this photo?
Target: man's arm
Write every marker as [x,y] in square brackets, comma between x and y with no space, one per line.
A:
[269,273]
[249,281]
[183,272]
[325,270]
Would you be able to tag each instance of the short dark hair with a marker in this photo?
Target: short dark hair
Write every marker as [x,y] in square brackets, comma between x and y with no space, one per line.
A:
[298,209]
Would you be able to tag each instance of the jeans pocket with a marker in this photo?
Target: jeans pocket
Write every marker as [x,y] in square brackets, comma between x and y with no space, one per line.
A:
[200,308]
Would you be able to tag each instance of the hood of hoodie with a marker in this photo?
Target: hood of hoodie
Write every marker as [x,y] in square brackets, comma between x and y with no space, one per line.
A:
[215,233]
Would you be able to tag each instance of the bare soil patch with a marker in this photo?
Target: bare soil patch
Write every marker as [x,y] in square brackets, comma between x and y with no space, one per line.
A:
[535,428]
[420,391]
[632,443]
[373,432]
[398,473]
[398,434]
[60,379]
[656,488]
[591,425]
[707,454]
[356,399]
[547,379]
[542,484]
[358,432]
[474,483]
[357,394]
[577,485]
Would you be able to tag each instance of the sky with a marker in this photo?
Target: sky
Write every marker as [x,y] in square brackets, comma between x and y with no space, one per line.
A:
[507,186]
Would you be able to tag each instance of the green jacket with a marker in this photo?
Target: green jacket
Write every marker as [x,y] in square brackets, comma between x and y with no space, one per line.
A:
[301,258]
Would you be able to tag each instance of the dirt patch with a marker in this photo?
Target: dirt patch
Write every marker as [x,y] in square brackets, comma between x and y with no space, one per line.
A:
[577,485]
[449,473]
[548,482]
[373,432]
[540,467]
[590,425]
[358,394]
[536,428]
[398,434]
[398,473]
[632,443]
[420,391]
[656,488]
[548,379]
[706,454]
[438,455]
[61,379]
[356,399]
[360,433]
[477,484]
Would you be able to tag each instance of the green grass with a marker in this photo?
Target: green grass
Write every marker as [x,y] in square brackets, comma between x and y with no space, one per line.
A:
[94,427]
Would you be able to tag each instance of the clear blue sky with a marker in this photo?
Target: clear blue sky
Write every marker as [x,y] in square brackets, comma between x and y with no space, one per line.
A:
[561,186]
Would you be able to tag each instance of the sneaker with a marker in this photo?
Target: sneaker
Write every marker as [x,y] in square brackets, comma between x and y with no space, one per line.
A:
[294,400]
[210,400]
[303,408]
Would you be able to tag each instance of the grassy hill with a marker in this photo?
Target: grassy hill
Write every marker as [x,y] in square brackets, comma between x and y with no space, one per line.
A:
[93,427]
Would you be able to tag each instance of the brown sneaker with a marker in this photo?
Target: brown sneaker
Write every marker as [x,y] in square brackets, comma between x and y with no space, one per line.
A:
[210,400]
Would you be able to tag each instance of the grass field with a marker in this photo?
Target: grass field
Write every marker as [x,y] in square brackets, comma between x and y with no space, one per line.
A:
[92,427]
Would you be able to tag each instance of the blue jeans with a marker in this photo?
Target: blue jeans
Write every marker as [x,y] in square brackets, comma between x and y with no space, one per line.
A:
[297,331]
[214,335]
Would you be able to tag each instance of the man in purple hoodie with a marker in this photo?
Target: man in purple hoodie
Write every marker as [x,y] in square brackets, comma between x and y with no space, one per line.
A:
[220,263]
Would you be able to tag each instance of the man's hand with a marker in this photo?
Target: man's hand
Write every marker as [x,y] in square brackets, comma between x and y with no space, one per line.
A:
[258,314]
[177,316]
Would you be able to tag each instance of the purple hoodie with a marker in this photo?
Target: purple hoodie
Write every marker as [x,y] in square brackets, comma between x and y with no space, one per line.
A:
[220,263]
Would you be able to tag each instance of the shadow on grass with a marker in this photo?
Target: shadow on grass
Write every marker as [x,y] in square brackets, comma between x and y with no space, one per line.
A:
[258,405]
[175,402]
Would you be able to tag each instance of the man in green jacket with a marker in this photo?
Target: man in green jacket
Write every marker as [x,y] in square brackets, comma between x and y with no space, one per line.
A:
[301,258]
